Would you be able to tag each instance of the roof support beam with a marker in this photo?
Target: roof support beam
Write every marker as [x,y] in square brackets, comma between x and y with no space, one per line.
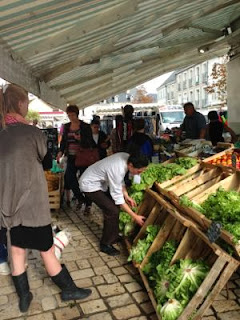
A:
[19,74]
[206,11]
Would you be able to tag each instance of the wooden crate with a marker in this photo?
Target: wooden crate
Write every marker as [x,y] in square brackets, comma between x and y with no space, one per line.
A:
[195,245]
[54,196]
[202,174]
[198,189]
[213,159]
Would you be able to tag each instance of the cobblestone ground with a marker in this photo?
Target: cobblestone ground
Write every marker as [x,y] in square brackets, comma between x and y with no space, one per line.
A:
[118,292]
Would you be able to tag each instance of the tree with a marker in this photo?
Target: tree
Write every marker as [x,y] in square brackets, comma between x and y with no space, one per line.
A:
[32,115]
[142,96]
[219,81]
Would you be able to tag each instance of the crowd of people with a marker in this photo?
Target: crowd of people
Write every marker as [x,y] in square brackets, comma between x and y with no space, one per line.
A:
[25,215]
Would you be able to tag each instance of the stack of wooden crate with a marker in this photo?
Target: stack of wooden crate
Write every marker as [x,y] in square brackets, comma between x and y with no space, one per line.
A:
[189,228]
[55,188]
[192,244]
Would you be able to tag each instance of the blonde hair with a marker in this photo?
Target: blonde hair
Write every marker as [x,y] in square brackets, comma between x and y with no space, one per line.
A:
[10,96]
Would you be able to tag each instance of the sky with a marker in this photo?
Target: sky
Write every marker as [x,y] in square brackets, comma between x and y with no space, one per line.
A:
[153,84]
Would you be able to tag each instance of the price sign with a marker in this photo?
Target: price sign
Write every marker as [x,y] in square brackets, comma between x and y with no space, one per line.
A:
[214,231]
[234,160]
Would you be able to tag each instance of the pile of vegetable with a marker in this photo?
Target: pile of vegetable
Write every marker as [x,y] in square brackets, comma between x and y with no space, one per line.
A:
[138,252]
[175,285]
[154,172]
[163,172]
[222,206]
[126,223]
[226,160]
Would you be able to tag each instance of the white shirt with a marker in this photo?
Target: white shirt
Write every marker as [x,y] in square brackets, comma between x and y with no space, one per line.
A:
[106,173]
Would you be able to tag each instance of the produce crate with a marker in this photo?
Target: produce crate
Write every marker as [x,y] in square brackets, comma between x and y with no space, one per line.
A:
[202,174]
[225,158]
[55,188]
[198,187]
[193,244]
[195,181]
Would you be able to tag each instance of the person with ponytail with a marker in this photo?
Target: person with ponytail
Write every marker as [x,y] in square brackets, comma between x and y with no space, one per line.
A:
[24,208]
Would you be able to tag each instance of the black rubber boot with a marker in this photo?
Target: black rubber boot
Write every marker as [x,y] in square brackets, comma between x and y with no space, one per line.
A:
[22,288]
[69,290]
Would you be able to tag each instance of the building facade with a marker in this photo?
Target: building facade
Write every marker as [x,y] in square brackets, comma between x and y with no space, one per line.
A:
[188,84]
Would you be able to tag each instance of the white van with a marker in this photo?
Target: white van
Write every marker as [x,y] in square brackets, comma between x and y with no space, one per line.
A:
[170,119]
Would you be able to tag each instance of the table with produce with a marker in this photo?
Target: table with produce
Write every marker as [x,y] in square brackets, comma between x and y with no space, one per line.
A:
[181,266]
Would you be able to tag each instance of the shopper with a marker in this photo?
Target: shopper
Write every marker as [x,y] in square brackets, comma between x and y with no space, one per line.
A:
[216,128]
[140,142]
[124,129]
[76,134]
[24,208]
[108,174]
[194,123]
[100,138]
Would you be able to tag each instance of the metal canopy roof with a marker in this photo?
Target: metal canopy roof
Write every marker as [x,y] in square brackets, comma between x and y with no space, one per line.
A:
[80,51]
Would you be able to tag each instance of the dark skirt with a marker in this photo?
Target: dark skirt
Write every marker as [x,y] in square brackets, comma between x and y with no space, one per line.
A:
[38,238]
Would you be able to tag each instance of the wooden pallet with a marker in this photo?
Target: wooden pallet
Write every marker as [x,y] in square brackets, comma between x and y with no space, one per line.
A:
[193,244]
[197,188]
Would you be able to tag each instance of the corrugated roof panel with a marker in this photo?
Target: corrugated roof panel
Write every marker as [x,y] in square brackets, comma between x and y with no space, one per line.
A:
[94,44]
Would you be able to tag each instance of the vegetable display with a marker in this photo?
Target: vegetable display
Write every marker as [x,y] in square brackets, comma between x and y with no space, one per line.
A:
[163,172]
[138,252]
[154,172]
[222,206]
[175,285]
[226,160]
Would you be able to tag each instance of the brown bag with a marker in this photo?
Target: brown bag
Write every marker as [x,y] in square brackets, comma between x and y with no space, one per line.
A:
[86,156]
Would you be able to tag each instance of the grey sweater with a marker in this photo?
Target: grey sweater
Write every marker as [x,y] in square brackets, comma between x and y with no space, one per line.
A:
[23,187]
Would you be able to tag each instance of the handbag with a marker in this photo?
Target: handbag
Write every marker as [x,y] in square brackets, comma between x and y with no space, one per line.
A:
[86,157]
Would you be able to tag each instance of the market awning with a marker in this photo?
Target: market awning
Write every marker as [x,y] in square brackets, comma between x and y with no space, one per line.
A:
[84,51]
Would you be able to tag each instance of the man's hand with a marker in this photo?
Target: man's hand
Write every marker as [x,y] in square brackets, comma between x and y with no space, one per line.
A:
[130,201]
[140,219]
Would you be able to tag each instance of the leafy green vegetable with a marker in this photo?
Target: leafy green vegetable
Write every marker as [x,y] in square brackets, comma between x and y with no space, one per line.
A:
[188,279]
[171,310]
[129,228]
[186,162]
[138,252]
[137,196]
[184,201]
[224,206]
[124,218]
[162,172]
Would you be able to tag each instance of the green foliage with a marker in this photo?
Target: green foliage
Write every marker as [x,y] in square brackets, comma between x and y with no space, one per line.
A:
[139,251]
[32,115]
[160,172]
[184,201]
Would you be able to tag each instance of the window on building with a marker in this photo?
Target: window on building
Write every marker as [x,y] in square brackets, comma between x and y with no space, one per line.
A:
[190,81]
[185,80]
[197,75]
[191,96]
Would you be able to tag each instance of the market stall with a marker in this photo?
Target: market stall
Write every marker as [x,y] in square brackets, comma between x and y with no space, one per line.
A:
[177,235]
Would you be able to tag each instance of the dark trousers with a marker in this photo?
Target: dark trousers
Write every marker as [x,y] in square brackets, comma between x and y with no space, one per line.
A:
[110,213]
[71,181]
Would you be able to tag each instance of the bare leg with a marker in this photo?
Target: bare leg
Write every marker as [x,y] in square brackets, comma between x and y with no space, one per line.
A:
[52,264]
[18,260]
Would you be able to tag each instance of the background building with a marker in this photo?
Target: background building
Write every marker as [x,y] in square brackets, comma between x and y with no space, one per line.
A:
[188,84]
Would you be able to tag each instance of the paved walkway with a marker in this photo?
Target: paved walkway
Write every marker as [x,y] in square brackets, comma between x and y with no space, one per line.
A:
[118,292]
